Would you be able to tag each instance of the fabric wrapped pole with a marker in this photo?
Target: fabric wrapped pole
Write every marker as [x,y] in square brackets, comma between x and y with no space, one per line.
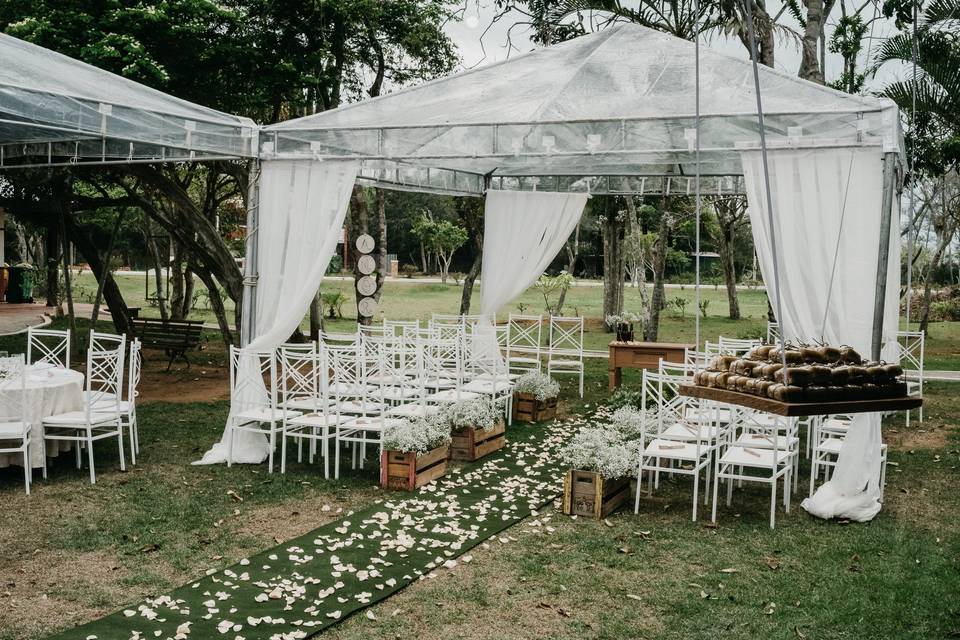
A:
[302,207]
[826,210]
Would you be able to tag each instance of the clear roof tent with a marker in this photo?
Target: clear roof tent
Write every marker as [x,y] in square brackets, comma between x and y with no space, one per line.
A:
[607,112]
[57,110]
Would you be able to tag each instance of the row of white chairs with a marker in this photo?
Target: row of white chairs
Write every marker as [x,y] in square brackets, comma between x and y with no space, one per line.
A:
[109,399]
[351,388]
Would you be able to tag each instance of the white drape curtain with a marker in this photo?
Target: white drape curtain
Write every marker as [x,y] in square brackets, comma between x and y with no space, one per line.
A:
[522,233]
[827,222]
[302,207]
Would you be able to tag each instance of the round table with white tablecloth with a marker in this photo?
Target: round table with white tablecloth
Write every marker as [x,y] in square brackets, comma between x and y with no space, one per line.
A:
[50,390]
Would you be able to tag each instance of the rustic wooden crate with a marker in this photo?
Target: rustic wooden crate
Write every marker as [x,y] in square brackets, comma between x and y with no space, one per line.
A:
[586,493]
[405,471]
[472,444]
[526,408]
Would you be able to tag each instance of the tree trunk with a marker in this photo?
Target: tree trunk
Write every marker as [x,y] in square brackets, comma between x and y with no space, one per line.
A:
[612,264]
[359,224]
[651,327]
[573,253]
[316,317]
[468,281]
[154,252]
[945,235]
[52,266]
[729,273]
[381,200]
[810,59]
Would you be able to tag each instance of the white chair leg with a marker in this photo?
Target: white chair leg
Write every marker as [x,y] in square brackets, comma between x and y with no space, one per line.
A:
[696,492]
[230,431]
[773,501]
[336,452]
[43,451]
[123,462]
[26,467]
[283,451]
[326,453]
[131,439]
[273,445]
[76,449]
[93,475]
[716,488]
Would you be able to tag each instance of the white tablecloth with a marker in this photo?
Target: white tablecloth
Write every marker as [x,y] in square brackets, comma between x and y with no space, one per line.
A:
[49,391]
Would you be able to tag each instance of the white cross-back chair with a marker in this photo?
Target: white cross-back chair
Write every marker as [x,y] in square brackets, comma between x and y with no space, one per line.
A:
[443,370]
[669,443]
[565,351]
[128,405]
[523,342]
[773,332]
[100,417]
[48,346]
[911,346]
[491,378]
[304,384]
[766,460]
[737,346]
[254,405]
[15,436]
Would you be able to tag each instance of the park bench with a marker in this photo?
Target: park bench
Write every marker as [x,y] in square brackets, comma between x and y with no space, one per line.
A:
[174,337]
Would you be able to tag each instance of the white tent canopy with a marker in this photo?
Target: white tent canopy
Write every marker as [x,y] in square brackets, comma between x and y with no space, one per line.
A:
[600,113]
[57,110]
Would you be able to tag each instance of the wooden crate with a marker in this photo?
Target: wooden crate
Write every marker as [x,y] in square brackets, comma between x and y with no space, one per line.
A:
[472,444]
[405,471]
[526,408]
[586,493]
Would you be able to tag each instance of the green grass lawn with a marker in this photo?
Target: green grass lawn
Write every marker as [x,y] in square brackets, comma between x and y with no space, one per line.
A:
[72,552]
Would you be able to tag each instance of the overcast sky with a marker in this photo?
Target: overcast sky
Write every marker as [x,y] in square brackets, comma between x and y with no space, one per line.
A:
[479,14]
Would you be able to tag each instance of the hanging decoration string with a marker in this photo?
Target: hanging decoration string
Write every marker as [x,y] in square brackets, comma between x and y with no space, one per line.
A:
[696,128]
[748,9]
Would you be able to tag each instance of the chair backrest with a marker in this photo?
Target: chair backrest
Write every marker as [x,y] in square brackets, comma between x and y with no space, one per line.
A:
[13,382]
[675,368]
[331,338]
[253,379]
[398,327]
[773,332]
[105,341]
[910,349]
[133,370]
[346,368]
[660,395]
[523,334]
[566,336]
[105,375]
[48,346]
[737,346]
[303,376]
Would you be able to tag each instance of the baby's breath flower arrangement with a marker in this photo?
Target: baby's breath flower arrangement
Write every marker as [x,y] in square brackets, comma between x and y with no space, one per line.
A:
[418,435]
[478,413]
[602,451]
[628,422]
[540,386]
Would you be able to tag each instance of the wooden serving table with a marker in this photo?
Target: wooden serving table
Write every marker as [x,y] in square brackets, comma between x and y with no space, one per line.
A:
[641,355]
[768,405]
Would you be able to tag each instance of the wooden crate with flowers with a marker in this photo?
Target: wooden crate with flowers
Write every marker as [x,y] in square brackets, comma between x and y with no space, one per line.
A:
[602,461]
[477,429]
[415,453]
[535,398]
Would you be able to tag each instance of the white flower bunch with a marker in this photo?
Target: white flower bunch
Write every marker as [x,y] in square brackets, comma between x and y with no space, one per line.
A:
[628,422]
[418,435]
[541,386]
[478,413]
[601,450]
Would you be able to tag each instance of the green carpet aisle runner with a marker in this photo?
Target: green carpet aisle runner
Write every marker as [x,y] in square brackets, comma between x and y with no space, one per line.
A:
[309,583]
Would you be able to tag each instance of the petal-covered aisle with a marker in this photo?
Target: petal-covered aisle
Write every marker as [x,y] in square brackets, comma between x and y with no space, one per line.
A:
[309,583]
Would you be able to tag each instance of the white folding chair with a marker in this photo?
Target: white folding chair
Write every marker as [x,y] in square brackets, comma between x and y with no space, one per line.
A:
[100,417]
[565,353]
[523,342]
[671,444]
[490,375]
[766,460]
[737,346]
[304,384]
[254,403]
[910,346]
[128,407]
[15,434]
[48,346]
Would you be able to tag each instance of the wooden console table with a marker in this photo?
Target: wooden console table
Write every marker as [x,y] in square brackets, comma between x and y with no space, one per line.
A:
[641,355]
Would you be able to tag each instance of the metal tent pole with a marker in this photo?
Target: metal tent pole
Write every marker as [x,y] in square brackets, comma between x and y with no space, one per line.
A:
[248,319]
[883,254]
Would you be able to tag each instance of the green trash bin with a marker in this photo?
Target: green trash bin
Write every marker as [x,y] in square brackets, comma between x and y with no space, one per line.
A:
[20,285]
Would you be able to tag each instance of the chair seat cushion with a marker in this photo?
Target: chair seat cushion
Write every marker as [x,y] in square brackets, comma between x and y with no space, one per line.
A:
[78,419]
[108,406]
[371,423]
[690,432]
[673,450]
[317,420]
[752,456]
[303,404]
[451,395]
[564,364]
[13,429]
[356,406]
[524,359]
[413,410]
[764,441]
[488,386]
[263,414]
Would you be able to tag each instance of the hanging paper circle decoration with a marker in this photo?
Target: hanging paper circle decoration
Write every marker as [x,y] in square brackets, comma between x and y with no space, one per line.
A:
[367,285]
[365,243]
[367,307]
[366,265]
